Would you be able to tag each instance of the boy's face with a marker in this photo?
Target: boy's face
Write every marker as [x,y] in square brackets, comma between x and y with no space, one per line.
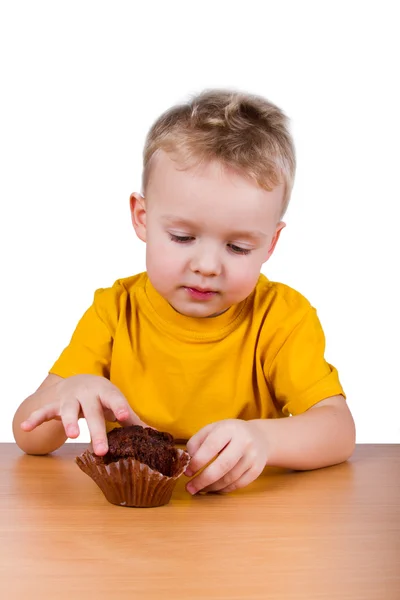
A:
[208,230]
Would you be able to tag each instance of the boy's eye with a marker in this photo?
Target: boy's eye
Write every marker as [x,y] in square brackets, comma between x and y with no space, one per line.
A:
[238,250]
[181,239]
[184,239]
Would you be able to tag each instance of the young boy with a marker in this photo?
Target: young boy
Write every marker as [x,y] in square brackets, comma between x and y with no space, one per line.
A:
[201,344]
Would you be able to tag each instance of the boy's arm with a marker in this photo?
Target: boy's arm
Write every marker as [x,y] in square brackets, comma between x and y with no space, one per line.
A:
[49,436]
[45,419]
[324,435]
[321,430]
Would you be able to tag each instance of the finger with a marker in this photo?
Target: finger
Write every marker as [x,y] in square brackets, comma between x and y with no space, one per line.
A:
[222,465]
[194,444]
[231,477]
[93,413]
[39,416]
[215,440]
[198,438]
[69,417]
[248,477]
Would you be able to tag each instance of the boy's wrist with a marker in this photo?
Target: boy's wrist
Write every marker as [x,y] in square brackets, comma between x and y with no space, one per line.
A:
[263,429]
[321,436]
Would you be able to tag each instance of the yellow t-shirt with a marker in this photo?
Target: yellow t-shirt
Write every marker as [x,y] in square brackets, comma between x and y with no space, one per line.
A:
[262,358]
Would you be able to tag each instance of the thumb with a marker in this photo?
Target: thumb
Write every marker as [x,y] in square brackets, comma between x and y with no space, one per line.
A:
[195,443]
[198,438]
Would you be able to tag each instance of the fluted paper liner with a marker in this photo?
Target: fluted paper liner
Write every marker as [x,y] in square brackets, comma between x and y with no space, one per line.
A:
[128,482]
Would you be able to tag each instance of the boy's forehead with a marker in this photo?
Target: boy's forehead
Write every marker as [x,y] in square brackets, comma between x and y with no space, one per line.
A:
[174,183]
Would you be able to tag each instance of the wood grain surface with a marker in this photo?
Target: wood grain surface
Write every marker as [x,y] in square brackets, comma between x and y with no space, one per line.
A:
[326,534]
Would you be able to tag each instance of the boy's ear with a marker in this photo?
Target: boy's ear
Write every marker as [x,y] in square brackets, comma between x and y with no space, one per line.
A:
[281,225]
[138,215]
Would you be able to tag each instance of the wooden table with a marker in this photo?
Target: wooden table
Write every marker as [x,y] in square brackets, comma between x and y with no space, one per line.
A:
[327,534]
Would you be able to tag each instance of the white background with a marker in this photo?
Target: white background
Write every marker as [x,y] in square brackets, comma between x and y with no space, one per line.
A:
[81,83]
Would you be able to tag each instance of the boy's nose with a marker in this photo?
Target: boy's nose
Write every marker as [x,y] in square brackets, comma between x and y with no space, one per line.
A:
[206,263]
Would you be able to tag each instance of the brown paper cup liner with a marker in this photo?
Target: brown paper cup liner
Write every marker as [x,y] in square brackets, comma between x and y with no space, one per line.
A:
[129,482]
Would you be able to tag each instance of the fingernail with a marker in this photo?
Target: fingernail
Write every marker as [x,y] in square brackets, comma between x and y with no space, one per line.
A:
[101,449]
[188,472]
[191,489]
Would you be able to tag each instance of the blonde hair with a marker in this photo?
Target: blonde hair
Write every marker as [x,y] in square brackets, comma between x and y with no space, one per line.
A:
[241,131]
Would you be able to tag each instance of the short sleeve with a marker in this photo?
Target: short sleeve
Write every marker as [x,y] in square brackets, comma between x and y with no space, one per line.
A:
[90,348]
[299,375]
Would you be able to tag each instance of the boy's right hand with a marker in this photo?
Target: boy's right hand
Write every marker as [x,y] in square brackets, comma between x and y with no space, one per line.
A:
[90,396]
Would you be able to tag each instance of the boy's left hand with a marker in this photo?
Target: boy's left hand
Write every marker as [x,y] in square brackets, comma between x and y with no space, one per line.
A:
[242,451]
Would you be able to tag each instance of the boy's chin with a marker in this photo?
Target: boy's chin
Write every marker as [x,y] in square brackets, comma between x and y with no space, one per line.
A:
[198,312]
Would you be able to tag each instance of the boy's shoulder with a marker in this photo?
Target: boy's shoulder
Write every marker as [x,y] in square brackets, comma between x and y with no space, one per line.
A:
[124,285]
[279,299]
[122,291]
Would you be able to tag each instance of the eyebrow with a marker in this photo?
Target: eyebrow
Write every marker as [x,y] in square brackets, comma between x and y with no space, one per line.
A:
[250,235]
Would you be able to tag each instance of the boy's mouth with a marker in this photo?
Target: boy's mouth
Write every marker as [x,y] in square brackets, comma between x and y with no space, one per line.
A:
[200,294]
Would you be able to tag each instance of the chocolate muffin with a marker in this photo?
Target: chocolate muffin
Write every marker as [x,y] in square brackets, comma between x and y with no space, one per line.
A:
[140,468]
[149,446]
